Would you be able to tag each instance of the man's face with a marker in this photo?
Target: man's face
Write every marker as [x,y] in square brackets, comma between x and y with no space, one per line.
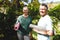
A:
[25,9]
[42,10]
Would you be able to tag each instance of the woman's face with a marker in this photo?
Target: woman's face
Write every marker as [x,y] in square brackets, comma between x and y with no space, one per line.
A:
[42,10]
[25,10]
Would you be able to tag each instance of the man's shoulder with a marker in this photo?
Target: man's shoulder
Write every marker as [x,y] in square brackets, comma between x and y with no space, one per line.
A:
[48,18]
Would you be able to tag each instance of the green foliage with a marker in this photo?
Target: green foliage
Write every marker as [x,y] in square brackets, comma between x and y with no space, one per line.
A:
[56,37]
[55,16]
[55,22]
[55,11]
[12,11]
[34,8]
[1,0]
[34,13]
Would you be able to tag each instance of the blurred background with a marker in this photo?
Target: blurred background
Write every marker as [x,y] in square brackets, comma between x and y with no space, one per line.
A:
[11,9]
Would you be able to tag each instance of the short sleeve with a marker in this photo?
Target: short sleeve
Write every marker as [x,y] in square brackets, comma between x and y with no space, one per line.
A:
[49,25]
[18,19]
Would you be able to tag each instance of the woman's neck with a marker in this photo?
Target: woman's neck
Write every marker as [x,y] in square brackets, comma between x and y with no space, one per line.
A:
[25,15]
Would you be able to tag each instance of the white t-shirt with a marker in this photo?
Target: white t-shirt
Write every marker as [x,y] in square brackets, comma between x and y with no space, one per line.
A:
[46,23]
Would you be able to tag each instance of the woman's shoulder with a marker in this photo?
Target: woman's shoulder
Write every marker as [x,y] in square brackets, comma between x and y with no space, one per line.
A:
[19,17]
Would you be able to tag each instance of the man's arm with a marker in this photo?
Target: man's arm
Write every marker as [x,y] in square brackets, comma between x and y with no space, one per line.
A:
[46,32]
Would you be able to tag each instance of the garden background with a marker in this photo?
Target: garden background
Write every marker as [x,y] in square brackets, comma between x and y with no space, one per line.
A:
[9,11]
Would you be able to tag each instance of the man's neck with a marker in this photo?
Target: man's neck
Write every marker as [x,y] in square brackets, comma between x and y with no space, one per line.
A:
[45,15]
